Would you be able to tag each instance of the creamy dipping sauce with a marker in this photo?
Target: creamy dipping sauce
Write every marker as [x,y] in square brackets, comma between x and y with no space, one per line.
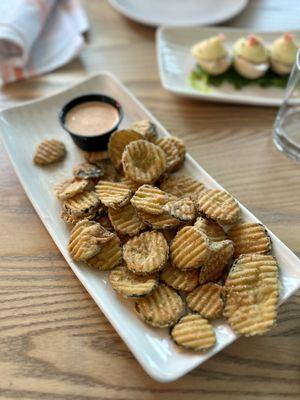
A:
[92,118]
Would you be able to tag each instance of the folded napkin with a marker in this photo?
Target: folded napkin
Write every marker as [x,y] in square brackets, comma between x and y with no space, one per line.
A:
[37,36]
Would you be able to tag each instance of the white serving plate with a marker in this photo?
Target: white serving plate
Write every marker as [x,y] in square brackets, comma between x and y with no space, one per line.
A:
[22,128]
[178,12]
[175,63]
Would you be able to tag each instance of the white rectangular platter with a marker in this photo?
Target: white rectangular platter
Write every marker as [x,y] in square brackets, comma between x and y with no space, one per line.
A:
[22,128]
[175,64]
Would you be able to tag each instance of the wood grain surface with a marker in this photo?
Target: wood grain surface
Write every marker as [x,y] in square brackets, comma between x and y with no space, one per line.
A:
[54,341]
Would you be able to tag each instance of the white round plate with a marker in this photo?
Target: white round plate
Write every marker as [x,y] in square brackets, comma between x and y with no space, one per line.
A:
[179,12]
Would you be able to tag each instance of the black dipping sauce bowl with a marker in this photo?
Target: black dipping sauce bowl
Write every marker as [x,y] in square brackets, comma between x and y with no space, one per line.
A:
[95,142]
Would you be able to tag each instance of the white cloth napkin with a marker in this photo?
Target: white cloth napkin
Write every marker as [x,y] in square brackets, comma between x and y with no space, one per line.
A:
[37,36]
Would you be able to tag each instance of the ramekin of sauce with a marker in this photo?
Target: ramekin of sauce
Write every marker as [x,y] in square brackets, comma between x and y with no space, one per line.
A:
[90,120]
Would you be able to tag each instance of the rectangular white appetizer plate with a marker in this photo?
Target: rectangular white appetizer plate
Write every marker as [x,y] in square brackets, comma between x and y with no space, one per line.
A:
[175,64]
[22,128]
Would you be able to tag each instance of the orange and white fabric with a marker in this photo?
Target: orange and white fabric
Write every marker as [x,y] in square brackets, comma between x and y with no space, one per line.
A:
[37,36]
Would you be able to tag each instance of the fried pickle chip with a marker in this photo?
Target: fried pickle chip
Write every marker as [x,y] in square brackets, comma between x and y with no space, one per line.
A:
[117,143]
[86,240]
[84,203]
[113,194]
[109,171]
[149,199]
[249,237]
[161,308]
[87,171]
[109,256]
[129,284]
[131,184]
[180,280]
[206,300]
[181,185]
[145,128]
[193,332]
[95,157]
[146,253]
[218,261]
[211,229]
[125,220]
[163,221]
[189,249]
[183,209]
[143,161]
[49,152]
[219,206]
[70,219]
[171,151]
[252,290]
[70,187]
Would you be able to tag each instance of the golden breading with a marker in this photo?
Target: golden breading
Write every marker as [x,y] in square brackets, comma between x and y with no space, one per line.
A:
[193,332]
[189,249]
[181,185]
[70,187]
[131,184]
[95,157]
[218,261]
[109,171]
[117,143]
[173,152]
[84,203]
[145,128]
[179,143]
[146,253]
[149,199]
[143,161]
[49,152]
[219,206]
[109,255]
[180,280]
[211,229]
[129,284]
[163,221]
[161,308]
[206,300]
[252,290]
[70,219]
[183,209]
[113,194]
[87,171]
[86,240]
[249,237]
[125,220]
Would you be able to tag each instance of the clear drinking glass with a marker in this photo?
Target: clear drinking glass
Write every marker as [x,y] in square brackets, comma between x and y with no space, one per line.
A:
[286,133]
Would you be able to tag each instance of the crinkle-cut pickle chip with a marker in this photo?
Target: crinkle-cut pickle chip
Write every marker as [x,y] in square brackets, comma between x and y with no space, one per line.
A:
[87,171]
[125,220]
[219,206]
[252,290]
[131,184]
[109,256]
[218,261]
[183,209]
[146,253]
[163,221]
[193,332]
[87,238]
[180,280]
[82,204]
[113,194]
[129,284]
[117,143]
[95,157]
[145,128]
[211,229]
[189,249]
[174,149]
[70,187]
[70,219]
[49,152]
[150,199]
[249,237]
[206,300]
[180,185]
[161,308]
[143,161]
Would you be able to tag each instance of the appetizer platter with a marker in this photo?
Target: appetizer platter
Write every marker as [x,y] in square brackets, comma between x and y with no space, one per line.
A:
[160,246]
[225,64]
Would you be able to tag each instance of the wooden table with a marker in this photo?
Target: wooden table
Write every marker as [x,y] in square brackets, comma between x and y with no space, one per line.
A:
[54,341]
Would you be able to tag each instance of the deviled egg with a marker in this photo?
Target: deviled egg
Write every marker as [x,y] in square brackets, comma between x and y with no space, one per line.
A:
[283,53]
[212,55]
[250,57]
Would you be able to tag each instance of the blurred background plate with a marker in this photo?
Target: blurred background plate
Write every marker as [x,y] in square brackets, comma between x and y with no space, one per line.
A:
[179,12]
